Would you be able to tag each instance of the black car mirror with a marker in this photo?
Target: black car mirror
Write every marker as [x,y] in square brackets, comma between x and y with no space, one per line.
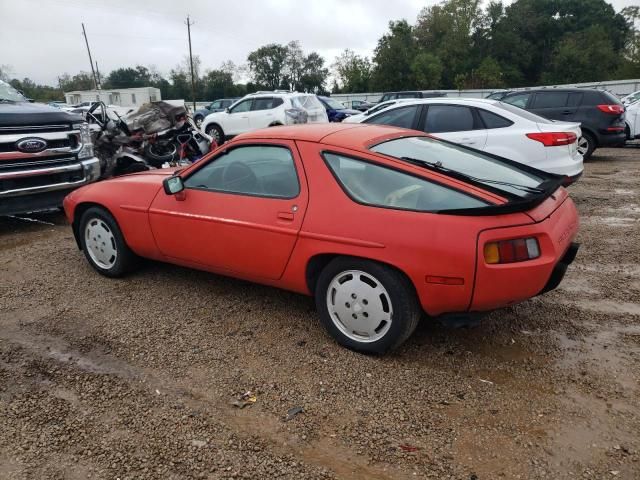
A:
[173,185]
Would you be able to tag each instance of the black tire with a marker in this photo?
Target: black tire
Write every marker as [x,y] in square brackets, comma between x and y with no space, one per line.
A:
[125,260]
[591,145]
[216,132]
[406,311]
[198,119]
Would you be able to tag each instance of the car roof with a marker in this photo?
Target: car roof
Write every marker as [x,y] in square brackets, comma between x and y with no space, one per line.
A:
[561,90]
[445,100]
[347,135]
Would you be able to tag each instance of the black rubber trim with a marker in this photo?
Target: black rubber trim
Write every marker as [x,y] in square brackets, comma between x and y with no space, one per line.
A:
[560,269]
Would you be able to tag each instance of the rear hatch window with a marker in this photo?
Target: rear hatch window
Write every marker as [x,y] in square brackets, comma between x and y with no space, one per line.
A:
[611,98]
[518,183]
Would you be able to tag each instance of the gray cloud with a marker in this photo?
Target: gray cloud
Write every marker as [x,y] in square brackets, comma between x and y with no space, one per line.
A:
[42,39]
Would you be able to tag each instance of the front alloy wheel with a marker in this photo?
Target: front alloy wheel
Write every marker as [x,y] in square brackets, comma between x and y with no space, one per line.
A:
[103,243]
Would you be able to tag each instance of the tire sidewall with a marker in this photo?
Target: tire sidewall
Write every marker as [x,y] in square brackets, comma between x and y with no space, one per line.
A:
[592,145]
[401,294]
[123,258]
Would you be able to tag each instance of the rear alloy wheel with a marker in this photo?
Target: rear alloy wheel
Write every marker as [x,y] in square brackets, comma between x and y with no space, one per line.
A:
[366,306]
[103,243]
[586,146]
[198,121]
[215,132]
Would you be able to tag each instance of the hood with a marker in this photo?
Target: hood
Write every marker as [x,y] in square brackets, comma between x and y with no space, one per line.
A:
[31,114]
[350,111]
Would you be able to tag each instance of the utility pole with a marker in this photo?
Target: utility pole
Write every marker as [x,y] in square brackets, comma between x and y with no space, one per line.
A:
[98,75]
[95,79]
[193,80]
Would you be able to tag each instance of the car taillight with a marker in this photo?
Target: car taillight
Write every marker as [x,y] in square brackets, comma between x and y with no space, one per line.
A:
[511,251]
[611,109]
[554,139]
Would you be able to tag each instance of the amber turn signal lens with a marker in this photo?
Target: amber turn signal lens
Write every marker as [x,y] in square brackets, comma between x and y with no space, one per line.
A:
[491,253]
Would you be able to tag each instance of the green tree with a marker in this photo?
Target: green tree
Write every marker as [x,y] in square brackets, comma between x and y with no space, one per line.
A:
[585,56]
[447,30]
[427,70]
[393,58]
[489,74]
[352,73]
[80,81]
[267,65]
[138,76]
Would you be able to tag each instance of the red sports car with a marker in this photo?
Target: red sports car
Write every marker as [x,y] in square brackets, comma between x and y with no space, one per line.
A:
[378,223]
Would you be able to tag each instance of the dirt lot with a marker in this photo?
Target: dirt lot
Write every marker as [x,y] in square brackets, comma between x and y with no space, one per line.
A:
[134,378]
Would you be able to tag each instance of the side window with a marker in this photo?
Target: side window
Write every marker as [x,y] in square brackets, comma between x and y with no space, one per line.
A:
[264,171]
[550,100]
[266,103]
[575,99]
[243,106]
[448,118]
[518,100]
[408,95]
[380,186]
[216,105]
[398,117]
[492,120]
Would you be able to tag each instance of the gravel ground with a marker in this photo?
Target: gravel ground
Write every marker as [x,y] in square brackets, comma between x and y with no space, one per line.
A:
[135,378]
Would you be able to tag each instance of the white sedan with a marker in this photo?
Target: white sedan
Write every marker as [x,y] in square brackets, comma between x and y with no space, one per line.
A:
[493,127]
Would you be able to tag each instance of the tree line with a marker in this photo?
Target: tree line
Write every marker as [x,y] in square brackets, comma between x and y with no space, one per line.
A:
[456,44]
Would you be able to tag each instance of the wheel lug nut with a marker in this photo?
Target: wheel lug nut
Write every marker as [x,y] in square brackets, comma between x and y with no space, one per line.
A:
[365,302]
[366,315]
[348,305]
[354,296]
[354,315]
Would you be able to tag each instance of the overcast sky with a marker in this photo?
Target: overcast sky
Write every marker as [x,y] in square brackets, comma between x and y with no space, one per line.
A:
[42,39]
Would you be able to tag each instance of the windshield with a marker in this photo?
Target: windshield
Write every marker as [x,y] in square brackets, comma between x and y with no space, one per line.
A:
[336,105]
[7,92]
[380,106]
[512,180]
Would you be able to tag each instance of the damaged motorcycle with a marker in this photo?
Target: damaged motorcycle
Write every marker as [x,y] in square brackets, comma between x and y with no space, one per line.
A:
[157,135]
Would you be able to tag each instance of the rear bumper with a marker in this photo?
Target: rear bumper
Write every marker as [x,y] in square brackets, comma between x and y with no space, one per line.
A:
[560,269]
[611,139]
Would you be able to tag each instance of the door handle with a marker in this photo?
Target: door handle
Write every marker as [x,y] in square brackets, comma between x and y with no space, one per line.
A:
[567,112]
[288,216]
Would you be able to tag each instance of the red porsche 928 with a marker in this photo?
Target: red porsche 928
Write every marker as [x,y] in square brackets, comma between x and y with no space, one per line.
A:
[379,223]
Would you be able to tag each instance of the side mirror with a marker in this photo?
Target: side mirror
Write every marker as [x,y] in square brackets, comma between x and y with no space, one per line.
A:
[173,185]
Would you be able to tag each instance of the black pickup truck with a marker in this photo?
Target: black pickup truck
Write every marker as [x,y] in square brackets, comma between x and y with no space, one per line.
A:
[44,154]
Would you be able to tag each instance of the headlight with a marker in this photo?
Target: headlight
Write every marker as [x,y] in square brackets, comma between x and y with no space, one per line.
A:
[86,151]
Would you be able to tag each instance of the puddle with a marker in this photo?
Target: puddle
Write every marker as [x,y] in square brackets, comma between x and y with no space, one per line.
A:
[611,221]
[631,269]
[577,284]
[604,306]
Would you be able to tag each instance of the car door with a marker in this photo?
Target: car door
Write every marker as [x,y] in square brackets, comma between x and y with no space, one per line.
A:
[239,212]
[237,120]
[456,123]
[262,113]
[552,105]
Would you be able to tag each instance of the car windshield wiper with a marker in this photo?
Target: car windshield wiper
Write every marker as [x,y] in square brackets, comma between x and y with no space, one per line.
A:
[440,168]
